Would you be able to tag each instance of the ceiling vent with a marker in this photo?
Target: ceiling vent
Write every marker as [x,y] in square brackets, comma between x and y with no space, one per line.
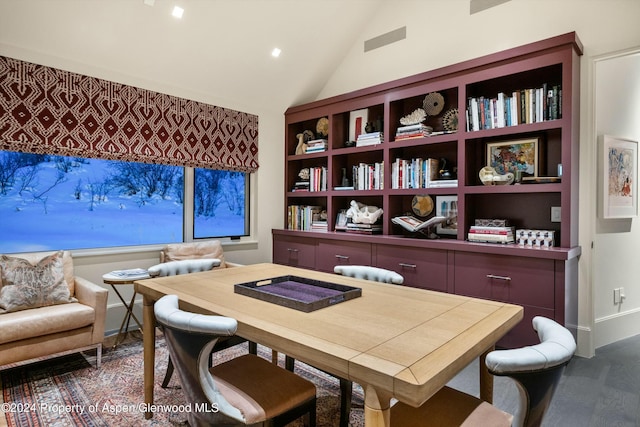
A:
[385,39]
[476,6]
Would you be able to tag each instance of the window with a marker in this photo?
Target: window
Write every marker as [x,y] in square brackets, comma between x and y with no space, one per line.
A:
[219,203]
[54,202]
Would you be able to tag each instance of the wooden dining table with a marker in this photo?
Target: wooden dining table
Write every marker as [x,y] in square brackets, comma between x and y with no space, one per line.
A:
[397,342]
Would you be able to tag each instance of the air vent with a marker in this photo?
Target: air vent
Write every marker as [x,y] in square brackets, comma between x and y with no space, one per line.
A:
[385,39]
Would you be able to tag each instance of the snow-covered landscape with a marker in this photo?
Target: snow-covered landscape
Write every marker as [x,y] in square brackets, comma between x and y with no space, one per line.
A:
[55,202]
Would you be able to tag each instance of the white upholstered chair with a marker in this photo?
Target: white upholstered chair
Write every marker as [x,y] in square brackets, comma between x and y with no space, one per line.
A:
[369,273]
[535,369]
[186,266]
[245,390]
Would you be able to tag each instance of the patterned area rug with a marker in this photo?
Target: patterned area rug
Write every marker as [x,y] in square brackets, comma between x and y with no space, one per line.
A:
[70,391]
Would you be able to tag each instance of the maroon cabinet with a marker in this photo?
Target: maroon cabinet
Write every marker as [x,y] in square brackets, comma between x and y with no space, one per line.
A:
[529,282]
[332,253]
[294,251]
[421,268]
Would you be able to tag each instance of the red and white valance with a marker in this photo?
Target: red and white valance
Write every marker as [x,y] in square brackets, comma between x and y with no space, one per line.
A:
[49,111]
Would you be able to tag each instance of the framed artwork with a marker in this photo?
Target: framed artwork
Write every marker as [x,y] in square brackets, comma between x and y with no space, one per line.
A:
[619,177]
[512,156]
[447,206]
[357,122]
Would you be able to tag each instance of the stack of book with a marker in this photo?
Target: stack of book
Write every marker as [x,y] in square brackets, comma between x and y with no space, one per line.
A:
[491,231]
[319,225]
[372,138]
[300,186]
[316,146]
[353,227]
[413,131]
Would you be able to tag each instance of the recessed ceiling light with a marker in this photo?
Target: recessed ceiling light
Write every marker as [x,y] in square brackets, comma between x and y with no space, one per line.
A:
[276,52]
[177,12]
[149,2]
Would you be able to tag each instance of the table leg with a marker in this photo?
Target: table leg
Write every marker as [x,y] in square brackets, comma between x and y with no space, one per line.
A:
[486,379]
[124,326]
[377,407]
[149,347]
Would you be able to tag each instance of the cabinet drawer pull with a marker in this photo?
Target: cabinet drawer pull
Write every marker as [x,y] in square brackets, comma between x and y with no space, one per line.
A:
[405,265]
[493,276]
[342,257]
[292,250]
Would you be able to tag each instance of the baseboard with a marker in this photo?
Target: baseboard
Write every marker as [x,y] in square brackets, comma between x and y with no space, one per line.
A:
[616,327]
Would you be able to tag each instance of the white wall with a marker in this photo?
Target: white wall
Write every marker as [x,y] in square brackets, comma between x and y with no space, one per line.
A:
[616,241]
[442,32]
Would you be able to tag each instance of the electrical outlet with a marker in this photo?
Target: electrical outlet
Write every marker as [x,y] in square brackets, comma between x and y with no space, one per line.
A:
[556,214]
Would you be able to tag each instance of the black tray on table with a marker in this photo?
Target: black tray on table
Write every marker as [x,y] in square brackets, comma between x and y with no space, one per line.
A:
[298,293]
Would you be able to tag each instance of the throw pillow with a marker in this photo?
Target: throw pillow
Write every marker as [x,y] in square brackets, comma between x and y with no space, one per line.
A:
[26,285]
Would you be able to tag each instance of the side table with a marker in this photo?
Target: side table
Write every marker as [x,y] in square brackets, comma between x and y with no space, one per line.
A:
[125,277]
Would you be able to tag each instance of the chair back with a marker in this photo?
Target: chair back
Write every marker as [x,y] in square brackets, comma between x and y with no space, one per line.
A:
[369,273]
[190,338]
[535,369]
[174,268]
[193,250]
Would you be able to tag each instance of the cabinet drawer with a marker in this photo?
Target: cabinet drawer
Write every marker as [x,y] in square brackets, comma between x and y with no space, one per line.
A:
[518,280]
[294,252]
[421,268]
[335,253]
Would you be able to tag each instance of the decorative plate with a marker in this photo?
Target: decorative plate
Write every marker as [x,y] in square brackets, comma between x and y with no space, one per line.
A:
[433,103]
[450,120]
[322,127]
[422,205]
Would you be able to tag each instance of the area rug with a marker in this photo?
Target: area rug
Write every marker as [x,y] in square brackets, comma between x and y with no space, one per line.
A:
[70,391]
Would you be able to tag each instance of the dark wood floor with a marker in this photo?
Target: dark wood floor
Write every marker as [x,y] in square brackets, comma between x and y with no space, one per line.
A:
[601,391]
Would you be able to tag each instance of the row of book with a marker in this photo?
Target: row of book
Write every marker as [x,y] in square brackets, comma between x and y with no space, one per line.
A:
[316,146]
[491,231]
[303,217]
[368,176]
[413,131]
[418,173]
[317,180]
[520,107]
[371,138]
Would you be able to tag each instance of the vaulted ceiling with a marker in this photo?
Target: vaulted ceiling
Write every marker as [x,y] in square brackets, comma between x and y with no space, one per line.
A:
[220,50]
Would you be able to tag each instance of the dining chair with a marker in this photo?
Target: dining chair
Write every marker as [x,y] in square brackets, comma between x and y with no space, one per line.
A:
[369,273]
[536,370]
[245,390]
[174,268]
[360,272]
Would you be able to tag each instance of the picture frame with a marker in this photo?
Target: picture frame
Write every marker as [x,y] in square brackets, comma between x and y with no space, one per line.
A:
[357,123]
[618,173]
[341,220]
[512,156]
[447,206]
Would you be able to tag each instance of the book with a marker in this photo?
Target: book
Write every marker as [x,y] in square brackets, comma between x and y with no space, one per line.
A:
[413,224]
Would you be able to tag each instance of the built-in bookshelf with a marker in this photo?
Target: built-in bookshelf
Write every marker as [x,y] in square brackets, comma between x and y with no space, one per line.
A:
[519,106]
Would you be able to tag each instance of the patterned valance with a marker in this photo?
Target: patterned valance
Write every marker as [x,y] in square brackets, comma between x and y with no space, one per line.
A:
[50,111]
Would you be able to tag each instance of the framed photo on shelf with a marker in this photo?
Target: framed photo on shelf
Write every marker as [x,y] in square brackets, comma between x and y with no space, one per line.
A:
[447,206]
[357,123]
[618,177]
[511,156]
[341,220]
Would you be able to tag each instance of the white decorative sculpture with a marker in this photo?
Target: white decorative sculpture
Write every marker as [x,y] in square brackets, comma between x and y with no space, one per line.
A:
[489,176]
[363,214]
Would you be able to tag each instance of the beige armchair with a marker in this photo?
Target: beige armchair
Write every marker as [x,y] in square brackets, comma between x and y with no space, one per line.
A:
[67,316]
[195,250]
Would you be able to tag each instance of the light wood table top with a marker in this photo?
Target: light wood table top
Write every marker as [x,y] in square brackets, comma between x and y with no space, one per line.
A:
[395,341]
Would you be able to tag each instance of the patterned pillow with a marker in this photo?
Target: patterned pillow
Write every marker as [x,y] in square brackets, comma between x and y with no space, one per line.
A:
[26,285]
